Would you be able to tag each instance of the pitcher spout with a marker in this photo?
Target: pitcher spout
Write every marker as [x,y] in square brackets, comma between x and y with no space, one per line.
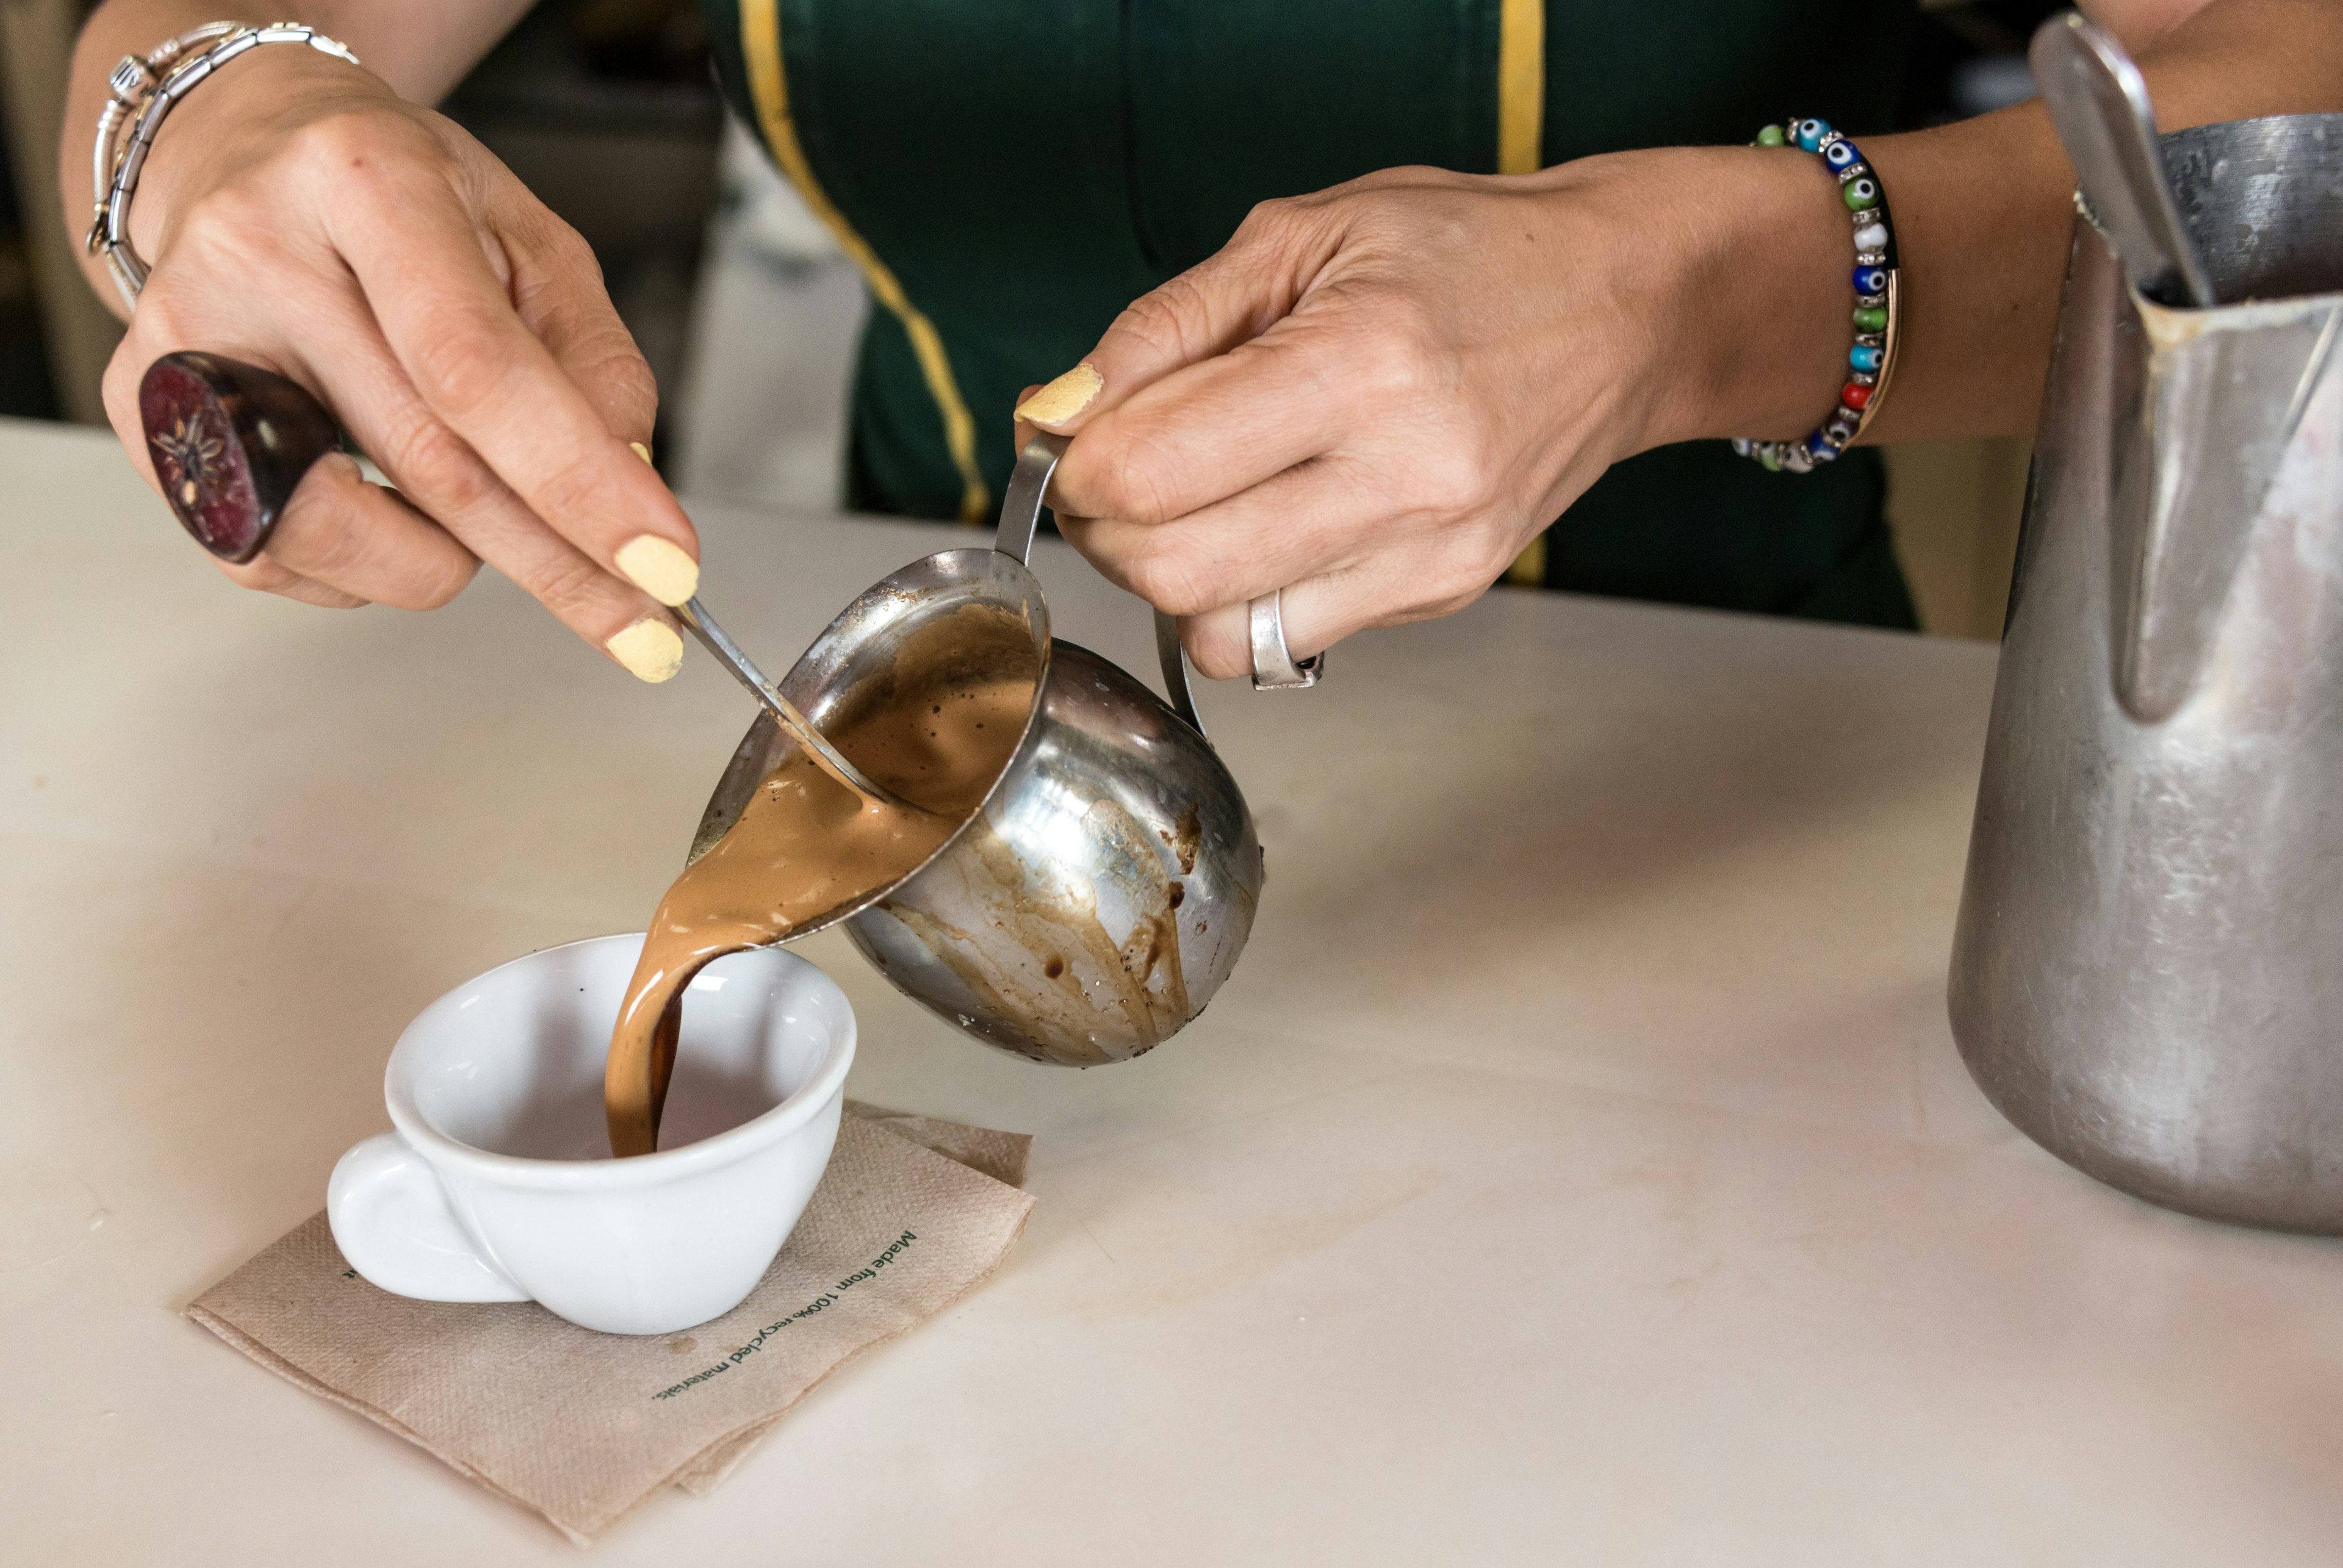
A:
[2220,400]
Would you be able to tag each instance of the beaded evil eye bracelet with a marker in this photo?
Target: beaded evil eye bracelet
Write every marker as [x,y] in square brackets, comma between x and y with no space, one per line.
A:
[1873,357]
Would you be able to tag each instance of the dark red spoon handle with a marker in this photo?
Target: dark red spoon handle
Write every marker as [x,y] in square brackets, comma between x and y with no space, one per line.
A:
[230,441]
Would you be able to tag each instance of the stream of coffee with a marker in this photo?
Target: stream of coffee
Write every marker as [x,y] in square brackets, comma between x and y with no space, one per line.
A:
[937,735]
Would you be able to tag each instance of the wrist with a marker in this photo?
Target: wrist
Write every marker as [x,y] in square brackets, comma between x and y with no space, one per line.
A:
[1759,248]
[199,137]
[114,30]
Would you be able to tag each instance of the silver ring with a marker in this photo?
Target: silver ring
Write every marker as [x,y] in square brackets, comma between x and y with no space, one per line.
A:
[1275,667]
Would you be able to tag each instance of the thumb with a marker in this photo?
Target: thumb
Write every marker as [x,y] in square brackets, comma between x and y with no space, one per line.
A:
[1234,295]
[1021,429]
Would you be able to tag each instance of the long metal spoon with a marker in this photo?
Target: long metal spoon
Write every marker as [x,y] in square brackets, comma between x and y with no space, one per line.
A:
[232,440]
[728,654]
[2098,101]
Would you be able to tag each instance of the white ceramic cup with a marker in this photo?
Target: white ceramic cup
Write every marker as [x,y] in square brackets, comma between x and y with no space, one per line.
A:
[498,1184]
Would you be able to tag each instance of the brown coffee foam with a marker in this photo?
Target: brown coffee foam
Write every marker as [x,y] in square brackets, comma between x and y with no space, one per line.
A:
[937,728]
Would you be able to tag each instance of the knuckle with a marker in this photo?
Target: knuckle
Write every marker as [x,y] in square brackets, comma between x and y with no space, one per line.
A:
[461,367]
[1457,480]
[1131,485]
[1436,608]
[1168,577]
[358,141]
[1397,361]
[429,580]
[1475,556]
[337,142]
[433,462]
[1398,176]
[119,389]
[568,585]
[622,380]
[335,533]
[1451,473]
[334,548]
[441,587]
[262,574]
[562,247]
[561,254]
[1218,656]
[1160,321]
[225,218]
[162,318]
[596,350]
[572,492]
[230,236]
[1269,221]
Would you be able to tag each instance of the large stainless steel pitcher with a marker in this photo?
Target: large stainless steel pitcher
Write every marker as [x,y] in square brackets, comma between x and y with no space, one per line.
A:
[2147,974]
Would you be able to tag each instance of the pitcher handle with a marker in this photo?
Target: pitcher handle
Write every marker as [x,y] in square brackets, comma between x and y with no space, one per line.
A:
[1021,516]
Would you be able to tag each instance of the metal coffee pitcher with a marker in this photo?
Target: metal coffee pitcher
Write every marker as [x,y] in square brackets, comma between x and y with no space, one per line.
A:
[1101,894]
[2147,970]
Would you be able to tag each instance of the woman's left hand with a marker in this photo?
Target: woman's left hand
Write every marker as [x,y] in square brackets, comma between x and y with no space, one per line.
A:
[1373,397]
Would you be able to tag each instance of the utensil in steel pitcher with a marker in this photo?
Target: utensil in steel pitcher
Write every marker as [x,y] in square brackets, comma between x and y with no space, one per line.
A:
[2098,101]
[1101,894]
[2148,969]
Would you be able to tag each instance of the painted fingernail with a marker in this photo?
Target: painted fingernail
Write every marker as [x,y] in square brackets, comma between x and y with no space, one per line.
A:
[1063,398]
[641,451]
[659,568]
[650,648]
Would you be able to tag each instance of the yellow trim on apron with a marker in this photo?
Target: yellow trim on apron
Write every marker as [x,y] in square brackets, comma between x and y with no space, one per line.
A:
[761,44]
[1521,86]
[1521,128]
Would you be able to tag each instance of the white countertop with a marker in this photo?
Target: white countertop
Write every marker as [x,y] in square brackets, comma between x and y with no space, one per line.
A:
[1577,1169]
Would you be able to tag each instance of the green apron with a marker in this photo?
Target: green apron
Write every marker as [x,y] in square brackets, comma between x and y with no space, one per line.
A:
[1009,174]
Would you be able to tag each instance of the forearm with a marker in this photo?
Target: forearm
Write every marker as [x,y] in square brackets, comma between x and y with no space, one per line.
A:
[422,48]
[1983,213]
[1984,210]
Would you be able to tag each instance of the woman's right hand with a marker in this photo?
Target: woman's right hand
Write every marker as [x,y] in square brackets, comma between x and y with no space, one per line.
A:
[300,216]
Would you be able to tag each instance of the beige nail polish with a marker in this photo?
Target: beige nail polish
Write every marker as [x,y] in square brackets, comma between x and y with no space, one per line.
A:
[640,450]
[659,568]
[1063,398]
[650,650]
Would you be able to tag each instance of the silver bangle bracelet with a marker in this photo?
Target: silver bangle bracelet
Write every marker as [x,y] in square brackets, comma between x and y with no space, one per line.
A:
[127,86]
[146,89]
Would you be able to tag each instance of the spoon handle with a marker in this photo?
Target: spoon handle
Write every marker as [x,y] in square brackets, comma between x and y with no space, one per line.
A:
[2098,102]
[231,441]
[730,654]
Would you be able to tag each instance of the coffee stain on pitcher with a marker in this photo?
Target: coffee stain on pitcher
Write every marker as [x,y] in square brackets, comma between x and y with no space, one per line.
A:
[1059,966]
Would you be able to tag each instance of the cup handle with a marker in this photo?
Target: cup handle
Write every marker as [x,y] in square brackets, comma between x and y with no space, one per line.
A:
[1021,516]
[391,1219]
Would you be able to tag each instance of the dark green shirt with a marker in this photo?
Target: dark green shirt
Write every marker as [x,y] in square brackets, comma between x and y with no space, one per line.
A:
[1012,173]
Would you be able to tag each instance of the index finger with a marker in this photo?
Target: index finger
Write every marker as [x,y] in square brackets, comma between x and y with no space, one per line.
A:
[1237,293]
[451,324]
[1215,429]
